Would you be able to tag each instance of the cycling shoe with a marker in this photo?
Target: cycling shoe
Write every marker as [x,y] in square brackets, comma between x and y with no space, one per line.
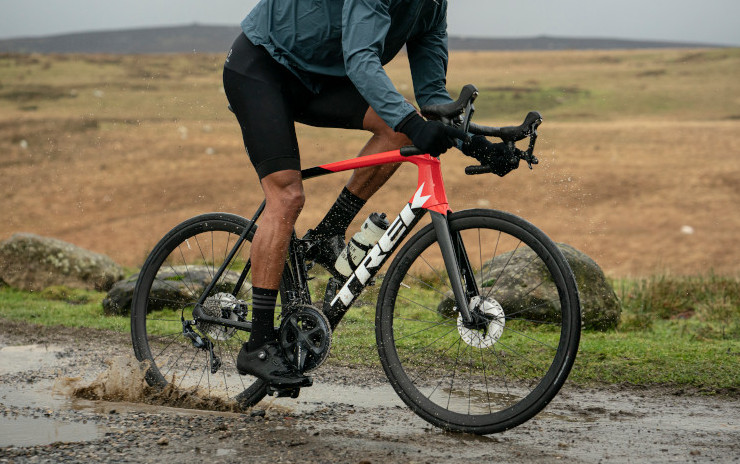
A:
[269,364]
[324,250]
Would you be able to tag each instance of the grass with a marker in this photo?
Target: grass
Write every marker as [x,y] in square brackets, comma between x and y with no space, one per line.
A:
[705,308]
[59,306]
[676,332]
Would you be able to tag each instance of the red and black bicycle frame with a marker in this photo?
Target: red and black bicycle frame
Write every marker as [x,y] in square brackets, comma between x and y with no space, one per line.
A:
[430,196]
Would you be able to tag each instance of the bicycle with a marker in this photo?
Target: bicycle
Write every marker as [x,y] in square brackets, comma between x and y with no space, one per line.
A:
[466,341]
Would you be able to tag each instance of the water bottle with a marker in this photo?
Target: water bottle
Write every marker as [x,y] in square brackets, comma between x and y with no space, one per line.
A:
[370,232]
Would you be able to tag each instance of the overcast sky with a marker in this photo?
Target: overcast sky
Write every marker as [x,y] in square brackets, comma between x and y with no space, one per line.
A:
[704,21]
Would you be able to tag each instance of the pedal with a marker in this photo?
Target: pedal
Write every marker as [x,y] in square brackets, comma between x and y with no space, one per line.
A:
[283,392]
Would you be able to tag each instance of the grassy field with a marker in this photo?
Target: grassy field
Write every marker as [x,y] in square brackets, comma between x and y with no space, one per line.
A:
[640,169]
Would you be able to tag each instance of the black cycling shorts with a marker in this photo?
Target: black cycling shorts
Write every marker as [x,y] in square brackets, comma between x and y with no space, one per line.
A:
[268,99]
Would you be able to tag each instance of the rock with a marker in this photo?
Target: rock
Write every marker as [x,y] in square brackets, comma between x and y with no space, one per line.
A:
[32,262]
[174,286]
[600,307]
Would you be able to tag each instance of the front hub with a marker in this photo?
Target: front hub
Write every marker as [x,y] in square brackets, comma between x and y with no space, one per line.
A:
[490,332]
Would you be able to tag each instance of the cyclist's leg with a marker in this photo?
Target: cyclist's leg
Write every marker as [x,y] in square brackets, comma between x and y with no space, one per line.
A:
[284,200]
[352,111]
[366,181]
[264,109]
[262,355]
[340,105]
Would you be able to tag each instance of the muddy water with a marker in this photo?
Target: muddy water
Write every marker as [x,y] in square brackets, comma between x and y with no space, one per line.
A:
[32,431]
[18,430]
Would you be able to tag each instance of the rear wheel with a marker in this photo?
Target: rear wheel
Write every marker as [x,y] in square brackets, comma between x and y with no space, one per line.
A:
[493,377]
[172,280]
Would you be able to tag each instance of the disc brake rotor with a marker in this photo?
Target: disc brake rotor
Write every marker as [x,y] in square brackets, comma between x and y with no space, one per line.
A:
[305,335]
[493,331]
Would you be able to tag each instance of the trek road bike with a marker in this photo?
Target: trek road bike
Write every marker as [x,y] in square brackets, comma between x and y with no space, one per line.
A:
[477,321]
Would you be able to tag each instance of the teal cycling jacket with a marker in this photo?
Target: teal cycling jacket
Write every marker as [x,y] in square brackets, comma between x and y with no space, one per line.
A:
[356,38]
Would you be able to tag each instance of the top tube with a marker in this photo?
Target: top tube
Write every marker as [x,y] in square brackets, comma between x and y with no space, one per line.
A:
[430,186]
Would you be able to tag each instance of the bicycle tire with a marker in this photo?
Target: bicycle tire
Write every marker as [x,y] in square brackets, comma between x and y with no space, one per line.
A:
[518,363]
[185,261]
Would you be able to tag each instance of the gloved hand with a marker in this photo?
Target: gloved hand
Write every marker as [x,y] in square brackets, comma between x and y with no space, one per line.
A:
[431,137]
[498,156]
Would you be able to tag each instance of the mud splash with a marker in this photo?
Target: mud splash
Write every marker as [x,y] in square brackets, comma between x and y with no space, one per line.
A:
[124,381]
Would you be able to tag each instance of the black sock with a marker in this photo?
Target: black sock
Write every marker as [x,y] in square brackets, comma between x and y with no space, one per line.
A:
[340,214]
[263,317]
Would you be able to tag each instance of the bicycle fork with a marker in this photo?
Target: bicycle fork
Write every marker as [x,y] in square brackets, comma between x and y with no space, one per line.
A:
[453,248]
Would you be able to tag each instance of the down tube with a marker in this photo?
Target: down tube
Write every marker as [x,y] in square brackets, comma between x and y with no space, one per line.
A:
[371,264]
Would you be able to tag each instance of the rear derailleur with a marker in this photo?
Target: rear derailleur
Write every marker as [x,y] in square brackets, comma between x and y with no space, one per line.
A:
[203,344]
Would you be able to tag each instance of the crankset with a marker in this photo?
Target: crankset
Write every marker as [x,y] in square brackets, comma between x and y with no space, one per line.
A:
[305,335]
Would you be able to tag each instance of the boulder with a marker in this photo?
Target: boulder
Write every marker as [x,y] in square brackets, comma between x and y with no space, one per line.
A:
[518,288]
[175,286]
[31,262]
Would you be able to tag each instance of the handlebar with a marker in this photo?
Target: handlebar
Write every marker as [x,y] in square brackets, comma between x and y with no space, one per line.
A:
[459,113]
[510,135]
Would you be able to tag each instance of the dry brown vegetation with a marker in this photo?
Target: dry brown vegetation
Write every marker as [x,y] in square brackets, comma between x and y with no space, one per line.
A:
[110,152]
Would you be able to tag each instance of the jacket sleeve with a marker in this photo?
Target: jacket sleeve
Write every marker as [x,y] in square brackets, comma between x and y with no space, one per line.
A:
[428,57]
[365,24]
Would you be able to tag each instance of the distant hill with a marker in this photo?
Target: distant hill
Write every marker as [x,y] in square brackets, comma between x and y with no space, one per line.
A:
[216,39]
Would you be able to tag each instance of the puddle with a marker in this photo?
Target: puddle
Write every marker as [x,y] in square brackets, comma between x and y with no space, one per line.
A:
[123,381]
[34,431]
[320,394]
[37,395]
[27,357]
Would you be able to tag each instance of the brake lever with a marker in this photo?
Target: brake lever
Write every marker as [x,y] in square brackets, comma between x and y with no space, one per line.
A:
[528,155]
[529,158]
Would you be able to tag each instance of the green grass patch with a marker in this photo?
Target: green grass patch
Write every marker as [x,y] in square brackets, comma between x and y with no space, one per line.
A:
[705,307]
[509,101]
[59,306]
[666,355]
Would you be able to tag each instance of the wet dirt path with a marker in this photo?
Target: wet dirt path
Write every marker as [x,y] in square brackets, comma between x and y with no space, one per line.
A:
[335,421]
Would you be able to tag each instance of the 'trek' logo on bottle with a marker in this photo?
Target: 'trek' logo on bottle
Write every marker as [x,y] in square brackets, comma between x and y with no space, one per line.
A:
[377,255]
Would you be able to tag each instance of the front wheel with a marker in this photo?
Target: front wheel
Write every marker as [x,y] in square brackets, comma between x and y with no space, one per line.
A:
[499,374]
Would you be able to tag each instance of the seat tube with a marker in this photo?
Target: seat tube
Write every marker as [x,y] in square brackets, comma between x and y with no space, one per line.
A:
[444,238]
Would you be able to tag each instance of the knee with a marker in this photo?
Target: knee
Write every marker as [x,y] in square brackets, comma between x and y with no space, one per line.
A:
[391,137]
[293,199]
[380,129]
[284,193]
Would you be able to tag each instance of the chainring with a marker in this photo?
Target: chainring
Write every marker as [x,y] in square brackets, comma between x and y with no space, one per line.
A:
[305,335]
